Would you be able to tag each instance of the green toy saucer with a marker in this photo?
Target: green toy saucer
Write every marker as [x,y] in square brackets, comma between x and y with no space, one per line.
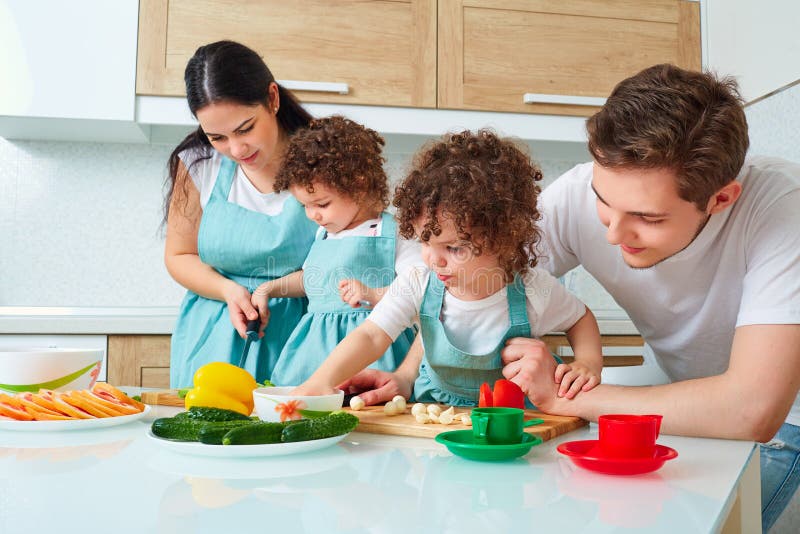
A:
[461,443]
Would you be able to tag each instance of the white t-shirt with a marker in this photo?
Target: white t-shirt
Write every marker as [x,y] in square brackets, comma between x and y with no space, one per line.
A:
[742,269]
[407,252]
[243,192]
[477,326]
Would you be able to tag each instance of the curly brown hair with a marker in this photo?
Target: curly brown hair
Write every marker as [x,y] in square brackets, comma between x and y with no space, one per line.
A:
[668,117]
[486,185]
[340,154]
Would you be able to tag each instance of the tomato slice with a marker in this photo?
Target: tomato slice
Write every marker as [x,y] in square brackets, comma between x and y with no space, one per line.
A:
[508,394]
[485,397]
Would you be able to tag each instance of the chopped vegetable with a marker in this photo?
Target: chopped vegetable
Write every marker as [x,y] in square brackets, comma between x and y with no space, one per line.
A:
[485,396]
[357,403]
[508,395]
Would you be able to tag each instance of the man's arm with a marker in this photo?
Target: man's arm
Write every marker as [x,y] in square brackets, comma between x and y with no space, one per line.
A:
[748,401]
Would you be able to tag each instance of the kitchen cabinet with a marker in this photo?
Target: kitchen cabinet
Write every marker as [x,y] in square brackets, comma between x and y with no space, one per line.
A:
[544,56]
[618,351]
[139,360]
[69,74]
[361,52]
[143,360]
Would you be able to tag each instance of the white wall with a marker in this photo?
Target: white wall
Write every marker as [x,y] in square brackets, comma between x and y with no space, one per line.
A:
[79,222]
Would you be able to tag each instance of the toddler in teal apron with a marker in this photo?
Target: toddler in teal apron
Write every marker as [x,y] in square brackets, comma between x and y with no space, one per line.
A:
[329,319]
[249,248]
[356,251]
[471,201]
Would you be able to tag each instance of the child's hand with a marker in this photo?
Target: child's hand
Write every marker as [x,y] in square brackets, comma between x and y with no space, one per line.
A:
[354,293]
[240,308]
[308,389]
[260,300]
[575,377]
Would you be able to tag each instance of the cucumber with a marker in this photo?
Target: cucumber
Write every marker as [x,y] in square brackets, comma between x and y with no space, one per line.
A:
[212,433]
[335,424]
[254,434]
[214,414]
[186,429]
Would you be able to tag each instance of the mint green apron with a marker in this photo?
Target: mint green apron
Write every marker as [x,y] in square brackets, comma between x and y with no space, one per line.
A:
[369,259]
[448,375]
[249,248]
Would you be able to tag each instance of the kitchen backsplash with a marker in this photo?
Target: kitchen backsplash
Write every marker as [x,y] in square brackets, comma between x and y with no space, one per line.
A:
[79,222]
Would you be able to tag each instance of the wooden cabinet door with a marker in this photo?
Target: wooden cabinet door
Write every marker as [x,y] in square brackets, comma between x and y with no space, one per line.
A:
[491,54]
[141,360]
[385,51]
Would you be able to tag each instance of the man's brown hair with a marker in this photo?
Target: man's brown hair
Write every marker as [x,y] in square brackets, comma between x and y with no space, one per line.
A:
[668,117]
[486,185]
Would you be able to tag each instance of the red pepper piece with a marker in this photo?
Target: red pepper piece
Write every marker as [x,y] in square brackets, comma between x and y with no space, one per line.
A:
[508,394]
[485,397]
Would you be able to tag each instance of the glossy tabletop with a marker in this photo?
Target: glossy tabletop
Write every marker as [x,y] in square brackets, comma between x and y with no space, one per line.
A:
[118,480]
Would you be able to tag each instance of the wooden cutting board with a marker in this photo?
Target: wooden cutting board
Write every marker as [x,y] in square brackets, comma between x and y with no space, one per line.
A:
[165,397]
[372,419]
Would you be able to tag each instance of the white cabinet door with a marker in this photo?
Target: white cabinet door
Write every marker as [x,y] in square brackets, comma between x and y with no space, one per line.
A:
[73,59]
[756,42]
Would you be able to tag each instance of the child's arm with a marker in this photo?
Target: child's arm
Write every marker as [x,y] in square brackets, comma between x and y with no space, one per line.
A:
[357,350]
[290,285]
[355,293]
[584,373]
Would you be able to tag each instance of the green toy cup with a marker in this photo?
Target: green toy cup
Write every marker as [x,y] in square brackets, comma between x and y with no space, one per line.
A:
[499,426]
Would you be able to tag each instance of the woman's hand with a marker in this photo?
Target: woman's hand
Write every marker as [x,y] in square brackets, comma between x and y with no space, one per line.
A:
[353,293]
[260,300]
[239,306]
[376,387]
[575,377]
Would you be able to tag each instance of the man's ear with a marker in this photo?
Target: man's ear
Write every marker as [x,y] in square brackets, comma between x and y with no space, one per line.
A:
[724,198]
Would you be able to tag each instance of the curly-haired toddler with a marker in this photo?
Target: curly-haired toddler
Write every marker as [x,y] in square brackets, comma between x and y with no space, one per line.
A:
[470,200]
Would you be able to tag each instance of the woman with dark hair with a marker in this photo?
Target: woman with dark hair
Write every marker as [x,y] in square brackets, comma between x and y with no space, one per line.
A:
[227,231]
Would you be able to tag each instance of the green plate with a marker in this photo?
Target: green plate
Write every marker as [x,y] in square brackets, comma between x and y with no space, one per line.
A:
[461,443]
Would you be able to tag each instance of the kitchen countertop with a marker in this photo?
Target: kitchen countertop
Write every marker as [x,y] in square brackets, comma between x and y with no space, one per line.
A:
[119,480]
[161,320]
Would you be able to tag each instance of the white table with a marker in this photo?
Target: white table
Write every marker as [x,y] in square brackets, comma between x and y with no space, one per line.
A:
[117,480]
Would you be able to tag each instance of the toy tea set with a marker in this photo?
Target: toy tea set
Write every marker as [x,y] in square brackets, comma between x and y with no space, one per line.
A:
[626,445]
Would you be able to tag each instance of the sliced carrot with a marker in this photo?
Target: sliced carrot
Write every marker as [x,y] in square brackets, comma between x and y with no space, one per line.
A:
[103,387]
[14,412]
[125,409]
[32,407]
[69,409]
[44,416]
[84,404]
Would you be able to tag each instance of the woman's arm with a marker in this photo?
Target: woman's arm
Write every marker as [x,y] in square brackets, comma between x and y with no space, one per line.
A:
[183,261]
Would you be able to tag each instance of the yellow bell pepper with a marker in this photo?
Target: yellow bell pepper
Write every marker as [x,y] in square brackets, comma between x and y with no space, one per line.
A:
[222,385]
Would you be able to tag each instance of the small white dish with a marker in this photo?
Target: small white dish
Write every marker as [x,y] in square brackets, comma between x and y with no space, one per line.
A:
[275,404]
[244,451]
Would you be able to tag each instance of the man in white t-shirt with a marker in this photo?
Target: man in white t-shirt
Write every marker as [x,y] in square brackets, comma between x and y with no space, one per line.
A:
[702,250]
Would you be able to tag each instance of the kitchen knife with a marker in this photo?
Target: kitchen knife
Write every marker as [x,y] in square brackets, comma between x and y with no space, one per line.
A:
[252,335]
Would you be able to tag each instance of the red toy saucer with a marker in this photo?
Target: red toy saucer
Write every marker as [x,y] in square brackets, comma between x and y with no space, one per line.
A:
[586,454]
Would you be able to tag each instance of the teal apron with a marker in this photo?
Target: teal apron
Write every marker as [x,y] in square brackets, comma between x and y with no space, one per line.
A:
[448,375]
[369,259]
[249,248]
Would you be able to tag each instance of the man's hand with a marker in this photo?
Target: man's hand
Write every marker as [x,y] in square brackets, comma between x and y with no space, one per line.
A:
[528,363]
[376,387]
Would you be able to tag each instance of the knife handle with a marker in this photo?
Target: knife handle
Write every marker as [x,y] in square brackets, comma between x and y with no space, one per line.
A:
[251,330]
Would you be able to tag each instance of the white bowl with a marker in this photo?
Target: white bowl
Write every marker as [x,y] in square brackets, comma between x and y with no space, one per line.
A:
[57,369]
[275,402]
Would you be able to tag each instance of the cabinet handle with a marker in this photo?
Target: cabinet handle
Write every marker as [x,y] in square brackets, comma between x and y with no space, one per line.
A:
[572,100]
[319,87]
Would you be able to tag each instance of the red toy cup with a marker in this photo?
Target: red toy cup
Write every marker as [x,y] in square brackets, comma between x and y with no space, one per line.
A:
[631,436]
